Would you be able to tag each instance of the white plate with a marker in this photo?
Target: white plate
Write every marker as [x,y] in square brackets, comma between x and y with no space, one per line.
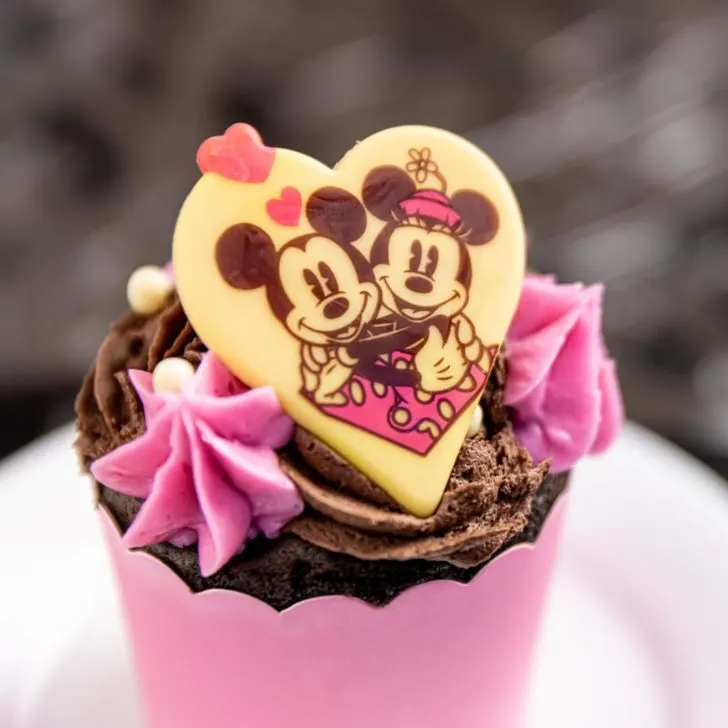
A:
[636,634]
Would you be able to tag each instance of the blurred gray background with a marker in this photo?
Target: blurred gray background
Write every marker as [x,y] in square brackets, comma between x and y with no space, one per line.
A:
[609,116]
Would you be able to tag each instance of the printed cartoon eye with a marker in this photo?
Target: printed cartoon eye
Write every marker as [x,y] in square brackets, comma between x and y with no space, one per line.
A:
[432,258]
[330,283]
[314,284]
[415,257]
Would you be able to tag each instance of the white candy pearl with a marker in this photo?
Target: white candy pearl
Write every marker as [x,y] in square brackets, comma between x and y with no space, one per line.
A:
[147,289]
[476,421]
[169,374]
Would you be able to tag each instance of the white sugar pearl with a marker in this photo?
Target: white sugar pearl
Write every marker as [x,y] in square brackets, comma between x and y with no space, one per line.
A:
[169,374]
[476,422]
[147,289]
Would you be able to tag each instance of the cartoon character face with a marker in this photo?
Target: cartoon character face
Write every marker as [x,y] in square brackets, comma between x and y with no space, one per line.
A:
[319,286]
[420,257]
[331,297]
[421,275]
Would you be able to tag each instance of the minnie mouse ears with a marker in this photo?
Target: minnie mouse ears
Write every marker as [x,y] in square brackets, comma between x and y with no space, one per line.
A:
[390,193]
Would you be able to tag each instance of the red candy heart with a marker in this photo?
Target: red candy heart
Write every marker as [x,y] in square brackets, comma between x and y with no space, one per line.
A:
[285,210]
[238,154]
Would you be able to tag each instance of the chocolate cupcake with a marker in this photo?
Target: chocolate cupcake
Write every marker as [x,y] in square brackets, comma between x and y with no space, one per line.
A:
[330,455]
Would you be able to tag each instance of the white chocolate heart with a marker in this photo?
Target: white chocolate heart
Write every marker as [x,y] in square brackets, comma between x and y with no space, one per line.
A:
[377,311]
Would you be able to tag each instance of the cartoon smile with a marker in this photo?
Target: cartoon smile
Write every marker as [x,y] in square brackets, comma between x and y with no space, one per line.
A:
[415,313]
[345,334]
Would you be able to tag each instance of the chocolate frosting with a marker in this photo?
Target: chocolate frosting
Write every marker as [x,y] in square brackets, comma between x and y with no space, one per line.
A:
[487,501]
[108,410]
[349,522]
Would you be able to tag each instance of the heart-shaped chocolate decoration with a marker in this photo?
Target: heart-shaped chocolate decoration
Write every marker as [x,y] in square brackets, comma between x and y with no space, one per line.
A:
[238,154]
[376,314]
[286,209]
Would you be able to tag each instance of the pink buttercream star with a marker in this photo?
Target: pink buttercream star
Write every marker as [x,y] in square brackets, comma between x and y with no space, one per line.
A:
[562,385]
[205,466]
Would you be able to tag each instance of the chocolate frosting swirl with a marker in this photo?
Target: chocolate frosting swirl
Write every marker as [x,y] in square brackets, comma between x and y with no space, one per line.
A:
[486,507]
[487,501]
[108,409]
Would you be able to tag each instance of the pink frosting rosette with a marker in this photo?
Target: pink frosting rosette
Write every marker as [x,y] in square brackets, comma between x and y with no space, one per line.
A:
[206,466]
[562,384]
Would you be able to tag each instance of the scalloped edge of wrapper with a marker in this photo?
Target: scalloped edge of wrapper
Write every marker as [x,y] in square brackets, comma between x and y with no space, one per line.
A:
[441,653]
[239,326]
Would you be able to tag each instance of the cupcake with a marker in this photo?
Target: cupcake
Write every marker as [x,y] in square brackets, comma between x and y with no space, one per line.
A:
[332,443]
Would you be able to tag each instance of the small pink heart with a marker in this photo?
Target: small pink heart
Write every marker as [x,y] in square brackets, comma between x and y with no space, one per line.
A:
[238,154]
[285,210]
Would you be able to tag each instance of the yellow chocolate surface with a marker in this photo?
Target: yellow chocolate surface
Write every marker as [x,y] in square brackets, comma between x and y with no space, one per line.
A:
[306,344]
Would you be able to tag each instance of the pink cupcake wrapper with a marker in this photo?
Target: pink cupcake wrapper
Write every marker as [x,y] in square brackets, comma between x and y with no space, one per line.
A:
[440,654]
